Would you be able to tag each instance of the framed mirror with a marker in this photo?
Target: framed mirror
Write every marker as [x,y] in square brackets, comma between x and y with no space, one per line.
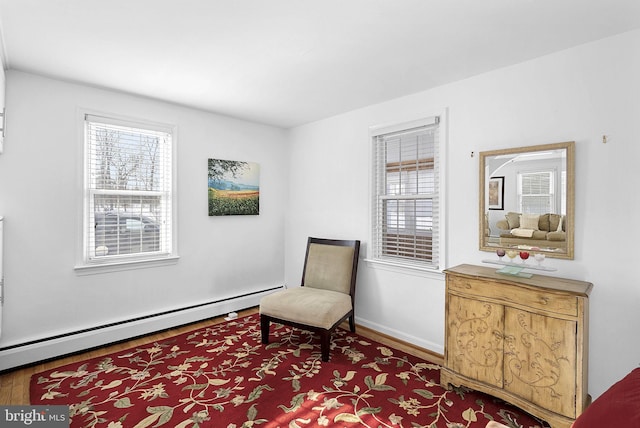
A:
[527,199]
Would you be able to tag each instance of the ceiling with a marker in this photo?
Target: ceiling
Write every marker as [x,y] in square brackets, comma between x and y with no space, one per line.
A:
[290,62]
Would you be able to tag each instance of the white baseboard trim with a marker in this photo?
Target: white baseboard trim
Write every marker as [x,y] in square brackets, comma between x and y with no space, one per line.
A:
[397,334]
[46,349]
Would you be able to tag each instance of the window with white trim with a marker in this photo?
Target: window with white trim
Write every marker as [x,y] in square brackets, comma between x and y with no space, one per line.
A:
[536,192]
[128,191]
[406,193]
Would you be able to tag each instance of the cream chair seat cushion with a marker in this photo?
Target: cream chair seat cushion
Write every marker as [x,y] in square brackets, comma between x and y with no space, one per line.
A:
[307,305]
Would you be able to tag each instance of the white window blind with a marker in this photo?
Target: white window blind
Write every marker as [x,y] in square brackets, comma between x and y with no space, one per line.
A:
[128,190]
[536,192]
[406,194]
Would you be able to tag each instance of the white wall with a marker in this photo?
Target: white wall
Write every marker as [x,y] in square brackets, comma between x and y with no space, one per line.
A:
[2,92]
[2,95]
[40,191]
[579,94]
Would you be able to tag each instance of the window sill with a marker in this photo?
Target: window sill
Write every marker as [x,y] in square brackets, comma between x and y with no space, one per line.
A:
[97,268]
[405,268]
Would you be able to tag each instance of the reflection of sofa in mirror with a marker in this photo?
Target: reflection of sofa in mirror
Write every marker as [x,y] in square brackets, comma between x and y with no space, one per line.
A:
[535,230]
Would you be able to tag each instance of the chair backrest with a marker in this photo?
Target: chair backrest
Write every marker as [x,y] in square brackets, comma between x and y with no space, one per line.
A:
[331,264]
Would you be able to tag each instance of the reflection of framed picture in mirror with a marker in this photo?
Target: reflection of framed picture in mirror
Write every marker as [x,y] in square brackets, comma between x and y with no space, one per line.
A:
[496,193]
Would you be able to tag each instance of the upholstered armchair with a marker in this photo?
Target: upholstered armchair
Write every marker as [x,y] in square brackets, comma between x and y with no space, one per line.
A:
[326,296]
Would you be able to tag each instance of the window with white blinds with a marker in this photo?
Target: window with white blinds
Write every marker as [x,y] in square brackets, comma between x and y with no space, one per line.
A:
[128,191]
[406,193]
[536,192]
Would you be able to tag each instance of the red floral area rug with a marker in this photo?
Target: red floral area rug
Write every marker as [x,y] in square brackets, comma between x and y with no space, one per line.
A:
[222,376]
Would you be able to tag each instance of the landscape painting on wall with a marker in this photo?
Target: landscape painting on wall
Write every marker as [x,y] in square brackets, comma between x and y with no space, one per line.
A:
[234,187]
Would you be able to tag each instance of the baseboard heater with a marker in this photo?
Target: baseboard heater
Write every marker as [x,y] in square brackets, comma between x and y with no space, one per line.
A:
[27,353]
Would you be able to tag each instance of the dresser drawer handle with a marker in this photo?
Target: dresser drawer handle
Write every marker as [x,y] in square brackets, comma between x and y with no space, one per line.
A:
[544,300]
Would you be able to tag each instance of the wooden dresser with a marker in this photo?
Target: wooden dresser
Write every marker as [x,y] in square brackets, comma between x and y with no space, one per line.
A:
[524,340]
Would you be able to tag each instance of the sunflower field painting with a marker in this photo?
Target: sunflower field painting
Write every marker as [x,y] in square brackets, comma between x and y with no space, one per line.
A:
[234,187]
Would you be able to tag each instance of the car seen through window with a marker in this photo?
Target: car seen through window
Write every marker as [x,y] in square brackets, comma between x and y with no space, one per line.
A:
[118,233]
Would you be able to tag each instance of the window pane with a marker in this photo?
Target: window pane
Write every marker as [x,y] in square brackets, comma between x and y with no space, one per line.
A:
[127,225]
[408,228]
[125,160]
[119,233]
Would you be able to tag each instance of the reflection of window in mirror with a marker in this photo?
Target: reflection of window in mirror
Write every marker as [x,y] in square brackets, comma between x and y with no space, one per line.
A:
[536,193]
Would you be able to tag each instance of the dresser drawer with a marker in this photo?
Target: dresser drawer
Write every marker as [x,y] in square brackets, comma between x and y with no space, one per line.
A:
[535,299]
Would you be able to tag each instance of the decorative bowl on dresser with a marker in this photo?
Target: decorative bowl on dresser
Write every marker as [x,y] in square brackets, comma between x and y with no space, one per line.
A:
[524,340]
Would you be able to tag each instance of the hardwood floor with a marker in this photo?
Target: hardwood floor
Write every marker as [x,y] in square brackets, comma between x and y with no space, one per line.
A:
[14,385]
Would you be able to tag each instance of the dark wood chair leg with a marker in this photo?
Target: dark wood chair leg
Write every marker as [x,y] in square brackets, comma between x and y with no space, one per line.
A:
[264,329]
[325,344]
[352,323]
